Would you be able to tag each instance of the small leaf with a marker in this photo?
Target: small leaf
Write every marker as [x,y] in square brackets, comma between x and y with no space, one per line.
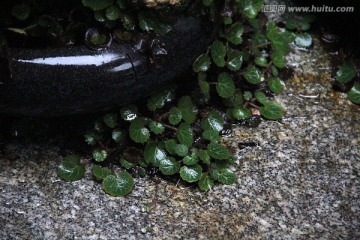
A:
[99,155]
[202,63]
[153,154]
[181,150]
[175,116]
[100,172]
[218,52]
[234,34]
[261,61]
[345,73]
[110,120]
[138,132]
[272,111]
[156,127]
[205,183]
[184,134]
[207,3]
[148,21]
[276,85]
[70,169]
[191,173]
[91,137]
[129,112]
[234,59]
[121,185]
[211,135]
[204,156]
[192,159]
[113,13]
[303,40]
[261,97]
[253,75]
[188,109]
[213,121]
[169,166]
[247,95]
[235,100]
[118,135]
[170,146]
[225,86]
[218,151]
[226,176]
[96,4]
[21,11]
[240,113]
[354,94]
[159,99]
[126,164]
[278,58]
[251,7]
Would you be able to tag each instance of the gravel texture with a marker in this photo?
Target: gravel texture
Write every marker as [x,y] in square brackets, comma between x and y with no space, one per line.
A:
[300,181]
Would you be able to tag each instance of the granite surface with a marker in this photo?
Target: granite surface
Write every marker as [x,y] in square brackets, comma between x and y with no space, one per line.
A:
[300,180]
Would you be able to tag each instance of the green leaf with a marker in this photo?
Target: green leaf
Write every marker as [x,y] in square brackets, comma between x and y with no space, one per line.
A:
[122,3]
[192,159]
[207,3]
[129,112]
[234,34]
[99,155]
[226,176]
[218,151]
[100,172]
[211,135]
[204,156]
[184,134]
[240,113]
[218,53]
[345,73]
[354,94]
[188,109]
[126,164]
[113,13]
[234,59]
[169,166]
[148,21]
[70,169]
[170,146]
[261,97]
[259,39]
[156,127]
[276,85]
[205,183]
[278,58]
[303,40]
[121,185]
[91,137]
[21,11]
[159,99]
[261,61]
[247,95]
[280,39]
[225,86]
[181,150]
[213,121]
[153,154]
[118,135]
[202,63]
[175,116]
[138,132]
[235,100]
[253,75]
[110,120]
[191,173]
[272,111]
[250,8]
[96,4]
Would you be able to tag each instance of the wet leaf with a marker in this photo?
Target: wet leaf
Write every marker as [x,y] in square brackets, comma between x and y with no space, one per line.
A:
[261,97]
[240,113]
[278,59]
[211,135]
[113,13]
[96,4]
[213,121]
[119,185]
[276,85]
[205,183]
[175,116]
[235,100]
[253,75]
[148,21]
[70,169]
[129,113]
[234,59]
[225,86]
[118,135]
[138,132]
[204,156]
[354,94]
[191,173]
[234,34]
[192,159]
[261,61]
[156,127]
[181,150]
[218,151]
[159,99]
[188,109]
[99,155]
[247,95]
[226,176]
[153,154]
[126,164]
[21,11]
[218,53]
[345,73]
[110,120]
[272,111]
[170,146]
[207,2]
[202,63]
[303,40]
[91,137]
[184,134]
[100,172]
[251,7]
[169,166]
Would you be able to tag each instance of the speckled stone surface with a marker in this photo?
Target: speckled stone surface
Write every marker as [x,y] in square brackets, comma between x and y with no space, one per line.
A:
[300,182]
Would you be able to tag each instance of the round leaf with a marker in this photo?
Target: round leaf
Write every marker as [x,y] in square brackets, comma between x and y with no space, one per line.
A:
[205,183]
[240,113]
[100,172]
[21,11]
[272,111]
[234,34]
[110,120]
[99,155]
[218,52]
[138,132]
[154,154]
[121,185]
[169,166]
[129,112]
[113,13]
[225,86]
[188,109]
[184,134]
[213,121]
[175,116]
[303,40]
[181,150]
[70,169]
[191,173]
[345,73]
[354,93]
[211,135]
[234,59]
[253,75]
[202,63]
[226,176]
[156,127]
[96,4]
[218,151]
[275,85]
